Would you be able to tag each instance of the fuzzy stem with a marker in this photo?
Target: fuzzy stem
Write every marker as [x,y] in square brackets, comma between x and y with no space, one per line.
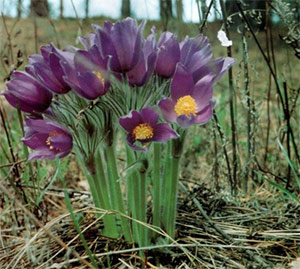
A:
[156,210]
[116,193]
[166,178]
[142,208]
[172,185]
[110,225]
[132,195]
[172,197]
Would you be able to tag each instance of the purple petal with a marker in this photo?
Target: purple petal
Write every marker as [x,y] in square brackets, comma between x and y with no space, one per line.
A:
[130,121]
[124,37]
[149,116]
[83,61]
[106,46]
[203,91]
[42,153]
[131,141]
[222,65]
[167,109]
[35,58]
[91,86]
[46,76]
[198,47]
[205,114]
[58,72]
[36,140]
[182,83]
[163,132]
[168,55]
[185,121]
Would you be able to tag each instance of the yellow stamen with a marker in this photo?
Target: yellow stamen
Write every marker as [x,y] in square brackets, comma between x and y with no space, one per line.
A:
[186,105]
[100,77]
[143,131]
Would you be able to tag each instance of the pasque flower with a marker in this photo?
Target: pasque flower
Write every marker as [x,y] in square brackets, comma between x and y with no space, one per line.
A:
[190,103]
[47,68]
[122,41]
[142,71]
[88,74]
[143,127]
[196,57]
[47,138]
[26,93]
[168,55]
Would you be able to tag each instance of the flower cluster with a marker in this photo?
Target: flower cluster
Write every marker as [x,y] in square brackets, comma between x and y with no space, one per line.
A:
[118,51]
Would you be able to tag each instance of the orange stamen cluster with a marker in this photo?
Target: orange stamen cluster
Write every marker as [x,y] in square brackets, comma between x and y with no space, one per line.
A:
[186,105]
[143,131]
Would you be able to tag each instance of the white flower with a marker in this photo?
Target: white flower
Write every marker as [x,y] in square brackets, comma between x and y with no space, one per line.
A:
[224,40]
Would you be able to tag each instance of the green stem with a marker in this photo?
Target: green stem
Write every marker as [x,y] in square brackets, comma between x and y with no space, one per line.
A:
[156,210]
[165,184]
[142,208]
[171,205]
[116,193]
[132,194]
[171,189]
[110,225]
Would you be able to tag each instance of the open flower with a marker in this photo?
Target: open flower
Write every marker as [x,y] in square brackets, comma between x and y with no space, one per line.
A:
[47,68]
[26,93]
[122,41]
[143,127]
[88,75]
[190,103]
[168,55]
[47,138]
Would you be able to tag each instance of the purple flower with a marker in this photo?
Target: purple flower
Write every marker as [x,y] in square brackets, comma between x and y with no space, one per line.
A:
[190,103]
[88,42]
[141,73]
[122,41]
[47,68]
[47,138]
[26,93]
[168,55]
[196,57]
[143,127]
[88,75]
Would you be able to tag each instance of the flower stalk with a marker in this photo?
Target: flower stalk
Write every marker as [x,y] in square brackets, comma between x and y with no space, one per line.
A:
[115,189]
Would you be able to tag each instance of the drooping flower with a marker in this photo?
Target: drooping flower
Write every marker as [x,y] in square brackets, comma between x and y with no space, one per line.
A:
[88,75]
[26,93]
[122,41]
[143,127]
[168,55]
[196,57]
[141,73]
[47,68]
[47,138]
[190,103]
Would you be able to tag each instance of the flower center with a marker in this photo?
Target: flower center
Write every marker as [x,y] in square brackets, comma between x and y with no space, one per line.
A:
[99,76]
[186,105]
[143,131]
[48,141]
